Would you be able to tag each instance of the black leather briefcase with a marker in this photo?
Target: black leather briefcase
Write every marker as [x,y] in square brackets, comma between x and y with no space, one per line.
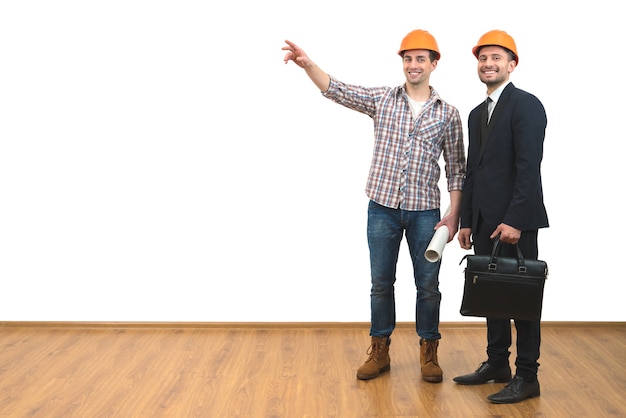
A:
[503,287]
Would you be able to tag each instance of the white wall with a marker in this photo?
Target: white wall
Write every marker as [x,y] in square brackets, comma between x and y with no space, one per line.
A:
[160,162]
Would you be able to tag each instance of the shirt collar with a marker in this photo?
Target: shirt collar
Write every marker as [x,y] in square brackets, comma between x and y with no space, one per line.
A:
[496,94]
[434,96]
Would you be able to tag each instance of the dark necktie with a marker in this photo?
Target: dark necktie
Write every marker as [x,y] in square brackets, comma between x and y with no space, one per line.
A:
[484,121]
[485,114]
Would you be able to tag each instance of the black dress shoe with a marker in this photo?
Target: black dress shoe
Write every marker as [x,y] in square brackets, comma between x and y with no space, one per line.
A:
[485,373]
[516,391]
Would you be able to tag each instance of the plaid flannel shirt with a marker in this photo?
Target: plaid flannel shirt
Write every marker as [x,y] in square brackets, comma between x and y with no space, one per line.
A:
[405,172]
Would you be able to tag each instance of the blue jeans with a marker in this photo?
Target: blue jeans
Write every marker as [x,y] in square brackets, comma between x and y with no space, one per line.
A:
[385,229]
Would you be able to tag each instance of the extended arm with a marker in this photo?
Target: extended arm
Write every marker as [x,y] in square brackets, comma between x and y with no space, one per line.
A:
[315,73]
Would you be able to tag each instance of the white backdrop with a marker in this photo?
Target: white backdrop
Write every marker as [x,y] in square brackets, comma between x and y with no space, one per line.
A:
[159,162]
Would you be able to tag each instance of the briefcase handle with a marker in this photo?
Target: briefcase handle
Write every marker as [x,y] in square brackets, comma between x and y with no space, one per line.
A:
[494,255]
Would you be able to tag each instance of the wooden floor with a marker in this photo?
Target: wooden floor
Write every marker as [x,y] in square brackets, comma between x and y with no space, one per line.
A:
[290,370]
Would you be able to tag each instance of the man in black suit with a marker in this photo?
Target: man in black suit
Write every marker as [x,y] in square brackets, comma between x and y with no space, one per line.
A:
[502,195]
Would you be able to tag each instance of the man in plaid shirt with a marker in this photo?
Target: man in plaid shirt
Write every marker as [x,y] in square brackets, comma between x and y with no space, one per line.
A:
[413,126]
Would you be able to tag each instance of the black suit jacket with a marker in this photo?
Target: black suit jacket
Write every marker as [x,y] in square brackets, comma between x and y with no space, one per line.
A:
[503,182]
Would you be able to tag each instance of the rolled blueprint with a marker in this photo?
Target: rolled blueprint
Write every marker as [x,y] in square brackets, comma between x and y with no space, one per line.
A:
[438,242]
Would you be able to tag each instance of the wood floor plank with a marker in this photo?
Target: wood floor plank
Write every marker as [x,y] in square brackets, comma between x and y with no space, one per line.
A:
[291,372]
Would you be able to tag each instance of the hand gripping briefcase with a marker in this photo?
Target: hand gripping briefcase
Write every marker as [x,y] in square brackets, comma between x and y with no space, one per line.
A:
[503,287]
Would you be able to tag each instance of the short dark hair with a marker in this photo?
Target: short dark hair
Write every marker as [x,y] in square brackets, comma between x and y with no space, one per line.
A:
[433,55]
[511,54]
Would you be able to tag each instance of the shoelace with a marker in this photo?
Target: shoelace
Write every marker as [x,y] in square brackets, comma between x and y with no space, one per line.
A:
[429,354]
[373,352]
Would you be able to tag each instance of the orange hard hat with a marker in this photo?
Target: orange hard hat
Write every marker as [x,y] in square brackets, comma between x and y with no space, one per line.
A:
[419,39]
[497,38]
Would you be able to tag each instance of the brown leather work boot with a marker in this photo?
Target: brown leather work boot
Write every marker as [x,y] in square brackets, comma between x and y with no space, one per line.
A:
[431,372]
[378,360]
